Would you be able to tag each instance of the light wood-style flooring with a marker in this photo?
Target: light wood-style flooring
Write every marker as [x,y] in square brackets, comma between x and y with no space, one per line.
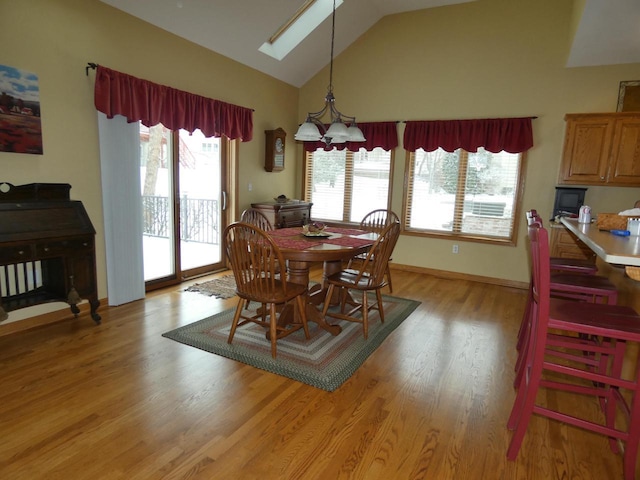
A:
[119,401]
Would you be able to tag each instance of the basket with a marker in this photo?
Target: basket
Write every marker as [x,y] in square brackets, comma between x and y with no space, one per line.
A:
[613,221]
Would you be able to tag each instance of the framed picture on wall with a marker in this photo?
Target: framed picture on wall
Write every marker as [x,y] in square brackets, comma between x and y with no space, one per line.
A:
[629,96]
[20,127]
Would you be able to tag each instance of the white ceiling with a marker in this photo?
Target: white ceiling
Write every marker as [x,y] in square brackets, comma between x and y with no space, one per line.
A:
[608,32]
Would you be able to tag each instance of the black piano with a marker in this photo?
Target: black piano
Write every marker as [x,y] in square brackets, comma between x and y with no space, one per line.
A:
[47,249]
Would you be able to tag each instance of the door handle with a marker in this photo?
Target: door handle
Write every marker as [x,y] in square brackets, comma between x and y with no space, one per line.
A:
[224,200]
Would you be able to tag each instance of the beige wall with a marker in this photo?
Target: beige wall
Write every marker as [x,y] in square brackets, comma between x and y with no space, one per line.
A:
[490,58]
[56,38]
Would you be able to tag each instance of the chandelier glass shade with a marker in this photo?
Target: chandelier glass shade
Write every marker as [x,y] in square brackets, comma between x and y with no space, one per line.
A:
[314,130]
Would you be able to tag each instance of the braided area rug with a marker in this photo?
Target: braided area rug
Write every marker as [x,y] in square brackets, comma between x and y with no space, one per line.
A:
[324,361]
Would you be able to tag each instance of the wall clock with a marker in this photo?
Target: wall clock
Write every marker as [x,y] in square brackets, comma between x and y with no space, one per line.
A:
[274,150]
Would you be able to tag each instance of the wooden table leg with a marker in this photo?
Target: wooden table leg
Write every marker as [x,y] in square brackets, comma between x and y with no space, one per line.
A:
[299,273]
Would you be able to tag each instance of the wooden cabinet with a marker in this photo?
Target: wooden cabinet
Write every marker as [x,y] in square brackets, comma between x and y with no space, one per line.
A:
[282,215]
[601,149]
[565,244]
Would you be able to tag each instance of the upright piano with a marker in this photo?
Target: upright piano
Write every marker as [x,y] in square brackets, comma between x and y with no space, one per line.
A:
[47,249]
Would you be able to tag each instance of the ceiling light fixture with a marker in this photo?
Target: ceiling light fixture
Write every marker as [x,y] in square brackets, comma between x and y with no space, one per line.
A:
[338,132]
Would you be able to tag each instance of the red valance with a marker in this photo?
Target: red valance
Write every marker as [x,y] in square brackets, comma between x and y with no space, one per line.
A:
[378,134]
[513,135]
[140,100]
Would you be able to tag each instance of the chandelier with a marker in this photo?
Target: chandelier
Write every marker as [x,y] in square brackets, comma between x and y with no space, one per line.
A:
[313,129]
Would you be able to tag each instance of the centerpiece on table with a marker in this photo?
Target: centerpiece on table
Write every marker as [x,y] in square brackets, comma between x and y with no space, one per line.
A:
[315,229]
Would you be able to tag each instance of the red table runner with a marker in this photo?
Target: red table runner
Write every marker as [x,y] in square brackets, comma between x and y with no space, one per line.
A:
[295,243]
[348,241]
[286,232]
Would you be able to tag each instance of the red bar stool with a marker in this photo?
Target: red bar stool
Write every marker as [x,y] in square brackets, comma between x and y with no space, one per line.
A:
[567,265]
[571,286]
[585,356]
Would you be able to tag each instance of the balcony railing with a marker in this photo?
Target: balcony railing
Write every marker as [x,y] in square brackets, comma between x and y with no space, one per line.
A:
[199,219]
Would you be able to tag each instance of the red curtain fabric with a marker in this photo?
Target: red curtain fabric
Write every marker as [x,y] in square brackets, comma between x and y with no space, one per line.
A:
[513,135]
[378,134]
[140,100]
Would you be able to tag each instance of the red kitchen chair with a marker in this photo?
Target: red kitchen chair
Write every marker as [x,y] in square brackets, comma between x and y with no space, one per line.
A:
[583,287]
[566,265]
[582,345]
[570,286]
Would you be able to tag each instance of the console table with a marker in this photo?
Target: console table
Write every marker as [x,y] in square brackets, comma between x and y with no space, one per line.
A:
[47,249]
[293,213]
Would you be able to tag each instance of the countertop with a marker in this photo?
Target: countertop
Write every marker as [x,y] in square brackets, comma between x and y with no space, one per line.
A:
[611,248]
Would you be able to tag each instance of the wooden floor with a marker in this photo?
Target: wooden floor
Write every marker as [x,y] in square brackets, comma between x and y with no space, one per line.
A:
[119,401]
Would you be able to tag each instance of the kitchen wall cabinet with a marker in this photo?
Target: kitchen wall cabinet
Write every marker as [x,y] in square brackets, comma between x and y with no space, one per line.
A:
[601,149]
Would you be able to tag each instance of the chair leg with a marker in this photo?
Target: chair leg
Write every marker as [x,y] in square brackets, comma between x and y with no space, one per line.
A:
[526,396]
[633,440]
[241,303]
[525,317]
[365,314]
[273,320]
[303,315]
[388,272]
[380,308]
[609,406]
[327,300]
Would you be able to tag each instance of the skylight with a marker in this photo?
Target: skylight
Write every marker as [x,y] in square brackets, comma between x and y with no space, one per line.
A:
[311,14]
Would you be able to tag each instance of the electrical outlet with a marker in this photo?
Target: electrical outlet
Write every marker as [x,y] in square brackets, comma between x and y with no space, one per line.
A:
[455,248]
[250,186]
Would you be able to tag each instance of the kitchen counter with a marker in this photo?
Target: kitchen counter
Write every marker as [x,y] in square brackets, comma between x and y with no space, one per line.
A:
[611,248]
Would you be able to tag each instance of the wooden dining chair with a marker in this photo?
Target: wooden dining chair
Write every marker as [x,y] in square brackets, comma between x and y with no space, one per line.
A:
[257,218]
[577,348]
[257,262]
[376,221]
[370,276]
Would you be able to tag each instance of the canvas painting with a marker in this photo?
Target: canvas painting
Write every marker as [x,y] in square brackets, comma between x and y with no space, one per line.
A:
[20,127]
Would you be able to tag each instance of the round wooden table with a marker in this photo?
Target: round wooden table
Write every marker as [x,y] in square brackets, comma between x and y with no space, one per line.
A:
[300,252]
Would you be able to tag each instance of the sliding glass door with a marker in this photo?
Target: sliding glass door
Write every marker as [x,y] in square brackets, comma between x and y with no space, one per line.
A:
[183,185]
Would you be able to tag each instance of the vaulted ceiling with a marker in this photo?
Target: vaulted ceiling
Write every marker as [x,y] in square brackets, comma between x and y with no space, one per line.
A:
[607,33]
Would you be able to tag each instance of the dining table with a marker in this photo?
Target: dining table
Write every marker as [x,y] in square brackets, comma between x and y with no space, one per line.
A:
[331,247]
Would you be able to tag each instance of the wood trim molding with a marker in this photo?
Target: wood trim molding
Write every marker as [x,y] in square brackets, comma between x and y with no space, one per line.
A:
[46,319]
[460,276]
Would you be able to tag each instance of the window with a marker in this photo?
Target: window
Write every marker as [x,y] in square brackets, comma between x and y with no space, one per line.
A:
[344,185]
[463,194]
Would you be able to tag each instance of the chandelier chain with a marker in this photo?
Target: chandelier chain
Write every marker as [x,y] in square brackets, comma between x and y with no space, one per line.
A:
[333,34]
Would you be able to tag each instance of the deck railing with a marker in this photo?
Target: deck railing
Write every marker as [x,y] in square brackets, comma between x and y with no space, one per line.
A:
[199,218]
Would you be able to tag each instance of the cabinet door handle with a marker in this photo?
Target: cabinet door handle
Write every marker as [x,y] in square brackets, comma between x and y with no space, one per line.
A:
[224,200]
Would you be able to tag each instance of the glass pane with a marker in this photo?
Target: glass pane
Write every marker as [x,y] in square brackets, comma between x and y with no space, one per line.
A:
[370,182]
[327,185]
[491,184]
[434,185]
[157,199]
[200,209]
